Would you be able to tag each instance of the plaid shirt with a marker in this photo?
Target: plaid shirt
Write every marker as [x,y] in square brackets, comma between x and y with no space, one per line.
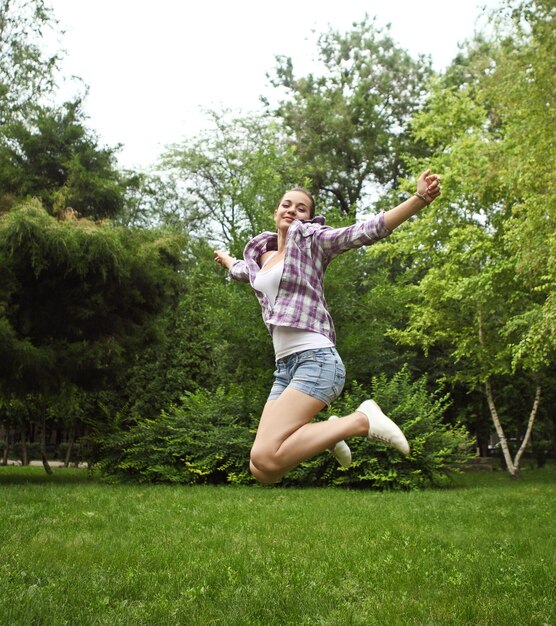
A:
[310,246]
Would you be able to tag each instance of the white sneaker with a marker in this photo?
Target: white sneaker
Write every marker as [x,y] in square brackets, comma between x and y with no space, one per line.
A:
[341,451]
[382,428]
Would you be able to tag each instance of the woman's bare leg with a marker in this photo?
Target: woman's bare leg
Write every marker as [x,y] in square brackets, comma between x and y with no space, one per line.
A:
[286,437]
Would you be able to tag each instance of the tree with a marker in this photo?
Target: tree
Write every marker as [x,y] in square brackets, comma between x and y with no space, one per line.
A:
[366,300]
[211,338]
[476,289]
[349,126]
[465,303]
[233,176]
[155,200]
[27,71]
[523,90]
[77,299]
[51,155]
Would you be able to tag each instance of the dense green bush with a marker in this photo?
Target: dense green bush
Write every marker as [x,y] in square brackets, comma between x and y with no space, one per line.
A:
[207,437]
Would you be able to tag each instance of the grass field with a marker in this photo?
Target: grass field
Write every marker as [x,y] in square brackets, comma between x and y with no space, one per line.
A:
[77,551]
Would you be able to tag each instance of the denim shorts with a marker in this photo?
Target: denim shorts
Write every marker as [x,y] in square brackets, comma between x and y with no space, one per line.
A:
[318,373]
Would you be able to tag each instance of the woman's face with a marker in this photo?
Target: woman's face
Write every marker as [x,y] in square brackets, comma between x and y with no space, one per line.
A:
[294,205]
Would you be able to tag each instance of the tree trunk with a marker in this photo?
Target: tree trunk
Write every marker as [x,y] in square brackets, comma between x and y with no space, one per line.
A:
[70,446]
[24,450]
[532,417]
[512,469]
[500,431]
[512,464]
[6,439]
[45,462]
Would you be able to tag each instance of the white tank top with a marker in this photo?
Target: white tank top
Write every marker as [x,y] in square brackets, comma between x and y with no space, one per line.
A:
[286,340]
[268,281]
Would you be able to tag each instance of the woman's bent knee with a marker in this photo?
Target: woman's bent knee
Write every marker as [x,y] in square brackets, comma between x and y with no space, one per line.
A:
[265,462]
[262,477]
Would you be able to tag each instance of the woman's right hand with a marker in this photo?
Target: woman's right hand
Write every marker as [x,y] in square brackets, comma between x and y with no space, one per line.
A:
[223,258]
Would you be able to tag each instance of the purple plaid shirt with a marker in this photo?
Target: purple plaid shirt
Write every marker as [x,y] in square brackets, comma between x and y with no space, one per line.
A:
[310,246]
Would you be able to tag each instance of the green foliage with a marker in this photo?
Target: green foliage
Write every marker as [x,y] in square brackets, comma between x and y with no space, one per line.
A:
[234,175]
[211,336]
[129,320]
[27,70]
[208,435]
[76,297]
[366,302]
[484,250]
[51,155]
[349,124]
[523,92]
[492,146]
[205,438]
[437,448]
[152,201]
[464,302]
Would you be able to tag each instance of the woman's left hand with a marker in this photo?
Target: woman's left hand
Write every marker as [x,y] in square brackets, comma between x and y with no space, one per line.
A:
[429,185]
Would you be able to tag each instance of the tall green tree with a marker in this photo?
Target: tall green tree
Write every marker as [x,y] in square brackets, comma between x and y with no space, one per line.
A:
[233,176]
[476,290]
[366,301]
[155,200]
[349,125]
[77,299]
[212,338]
[523,90]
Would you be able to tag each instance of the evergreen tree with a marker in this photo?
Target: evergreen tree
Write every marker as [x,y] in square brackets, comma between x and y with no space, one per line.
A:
[77,299]
[51,155]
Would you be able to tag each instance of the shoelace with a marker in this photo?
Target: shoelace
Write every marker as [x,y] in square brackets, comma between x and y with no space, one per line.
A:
[380,438]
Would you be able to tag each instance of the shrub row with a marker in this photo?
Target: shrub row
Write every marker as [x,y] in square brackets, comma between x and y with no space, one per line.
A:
[206,438]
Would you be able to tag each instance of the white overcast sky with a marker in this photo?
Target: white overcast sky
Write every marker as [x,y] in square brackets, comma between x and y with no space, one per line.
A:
[152,66]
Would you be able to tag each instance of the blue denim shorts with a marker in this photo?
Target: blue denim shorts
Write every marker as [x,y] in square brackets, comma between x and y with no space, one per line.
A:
[318,373]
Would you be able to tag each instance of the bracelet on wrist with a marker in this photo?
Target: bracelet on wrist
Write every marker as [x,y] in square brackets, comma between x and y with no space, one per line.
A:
[421,196]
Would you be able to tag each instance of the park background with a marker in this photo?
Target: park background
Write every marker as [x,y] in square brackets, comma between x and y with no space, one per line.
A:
[123,346]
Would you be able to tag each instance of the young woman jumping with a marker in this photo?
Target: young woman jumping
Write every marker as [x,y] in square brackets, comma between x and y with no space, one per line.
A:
[286,269]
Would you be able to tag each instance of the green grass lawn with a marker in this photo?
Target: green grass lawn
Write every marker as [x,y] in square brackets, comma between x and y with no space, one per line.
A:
[77,551]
